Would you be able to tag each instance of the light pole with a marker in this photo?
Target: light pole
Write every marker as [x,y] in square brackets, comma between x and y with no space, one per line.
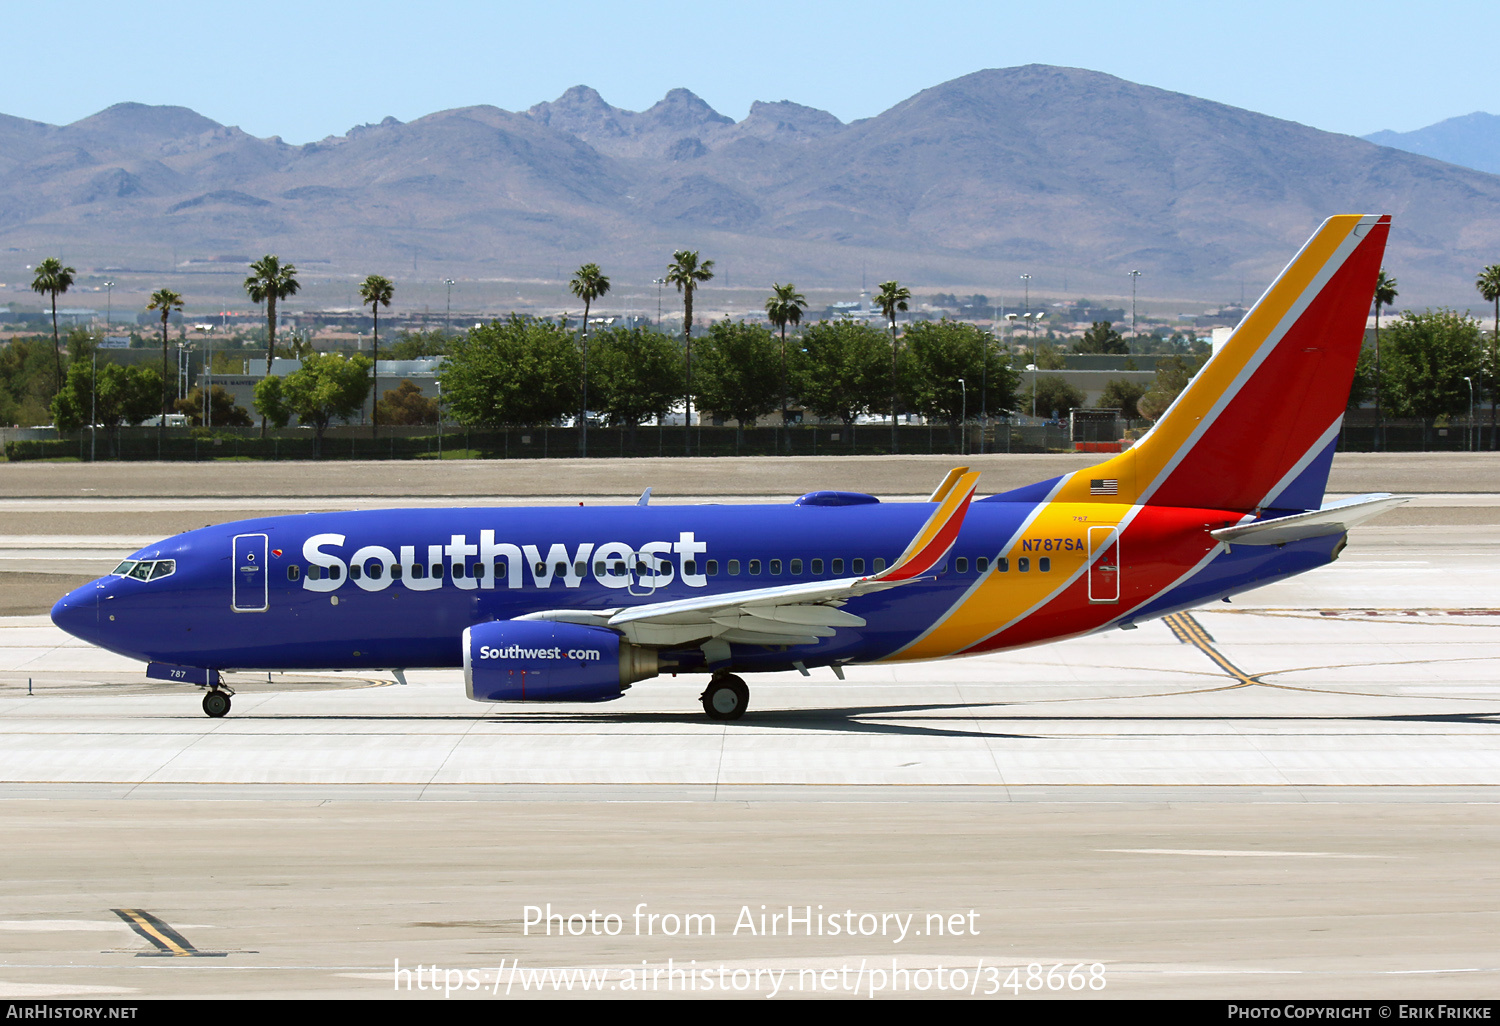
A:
[1026,282]
[1133,276]
[984,380]
[208,377]
[1469,431]
[963,417]
[448,319]
[184,367]
[109,304]
[658,282]
[94,405]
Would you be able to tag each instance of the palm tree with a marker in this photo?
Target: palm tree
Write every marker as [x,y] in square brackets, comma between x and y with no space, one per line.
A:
[376,291]
[166,301]
[588,284]
[52,278]
[785,307]
[891,298]
[268,282]
[687,272]
[1385,295]
[1488,284]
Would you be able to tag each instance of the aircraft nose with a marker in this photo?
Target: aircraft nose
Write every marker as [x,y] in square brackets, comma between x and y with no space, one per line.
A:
[77,612]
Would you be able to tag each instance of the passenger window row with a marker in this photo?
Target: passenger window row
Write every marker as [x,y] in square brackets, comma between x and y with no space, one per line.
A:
[375,570]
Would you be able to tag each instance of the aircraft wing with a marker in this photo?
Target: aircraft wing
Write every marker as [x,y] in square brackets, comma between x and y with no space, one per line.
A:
[792,614]
[1333,518]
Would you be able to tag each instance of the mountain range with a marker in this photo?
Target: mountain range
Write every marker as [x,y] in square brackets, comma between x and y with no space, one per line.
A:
[1071,176]
[1472,141]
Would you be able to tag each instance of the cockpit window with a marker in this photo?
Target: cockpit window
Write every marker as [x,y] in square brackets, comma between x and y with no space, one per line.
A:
[146,569]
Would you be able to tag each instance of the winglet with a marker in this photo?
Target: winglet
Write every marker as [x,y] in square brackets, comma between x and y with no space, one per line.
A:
[937,536]
[645,499]
[941,491]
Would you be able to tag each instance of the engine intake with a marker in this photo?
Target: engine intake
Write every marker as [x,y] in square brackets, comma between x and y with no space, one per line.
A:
[545,661]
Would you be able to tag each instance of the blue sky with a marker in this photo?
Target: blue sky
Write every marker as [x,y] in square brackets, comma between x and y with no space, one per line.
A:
[307,70]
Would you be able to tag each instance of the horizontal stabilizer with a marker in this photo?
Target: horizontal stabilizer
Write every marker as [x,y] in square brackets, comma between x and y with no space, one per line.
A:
[1334,518]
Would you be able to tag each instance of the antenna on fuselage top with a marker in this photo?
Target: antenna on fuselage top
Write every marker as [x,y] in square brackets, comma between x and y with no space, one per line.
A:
[645,499]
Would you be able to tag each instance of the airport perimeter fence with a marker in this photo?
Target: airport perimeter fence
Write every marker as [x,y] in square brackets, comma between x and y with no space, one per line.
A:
[399,443]
[404,443]
[1406,436]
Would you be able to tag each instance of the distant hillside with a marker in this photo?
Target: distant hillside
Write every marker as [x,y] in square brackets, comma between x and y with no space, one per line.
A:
[1068,175]
[1470,141]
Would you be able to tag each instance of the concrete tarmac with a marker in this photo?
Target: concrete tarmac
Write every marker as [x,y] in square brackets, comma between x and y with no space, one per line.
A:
[1294,795]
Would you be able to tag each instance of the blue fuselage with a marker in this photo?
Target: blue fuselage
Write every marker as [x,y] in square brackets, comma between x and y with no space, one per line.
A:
[318,591]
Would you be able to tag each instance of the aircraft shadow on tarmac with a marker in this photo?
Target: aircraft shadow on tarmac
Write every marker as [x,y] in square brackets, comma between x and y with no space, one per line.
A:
[874,719]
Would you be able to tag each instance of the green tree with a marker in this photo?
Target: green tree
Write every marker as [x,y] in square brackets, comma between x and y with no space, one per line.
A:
[376,291]
[738,372]
[1427,357]
[892,298]
[420,345]
[687,273]
[270,403]
[638,374]
[1172,375]
[1385,295]
[939,354]
[405,404]
[1102,338]
[27,381]
[223,410]
[785,307]
[268,283]
[511,372]
[1488,284]
[53,279]
[120,395]
[1120,394]
[588,284]
[166,301]
[326,388]
[840,369]
[1051,397]
[1362,387]
[1048,357]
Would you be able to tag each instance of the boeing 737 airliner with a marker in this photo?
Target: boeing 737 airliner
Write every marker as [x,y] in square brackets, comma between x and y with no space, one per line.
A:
[575,604]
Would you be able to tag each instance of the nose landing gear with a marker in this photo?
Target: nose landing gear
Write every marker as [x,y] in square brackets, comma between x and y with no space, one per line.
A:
[725,698]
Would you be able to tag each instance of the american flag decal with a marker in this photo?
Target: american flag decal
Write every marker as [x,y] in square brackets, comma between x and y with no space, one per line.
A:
[1106,486]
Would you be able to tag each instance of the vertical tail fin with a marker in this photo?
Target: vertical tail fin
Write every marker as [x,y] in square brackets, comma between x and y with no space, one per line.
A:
[1257,427]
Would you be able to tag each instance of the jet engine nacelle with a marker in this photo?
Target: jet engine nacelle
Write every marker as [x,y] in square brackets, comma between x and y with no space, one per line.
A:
[545,661]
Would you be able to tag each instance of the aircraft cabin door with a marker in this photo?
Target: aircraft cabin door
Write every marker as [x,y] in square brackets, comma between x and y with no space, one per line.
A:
[1104,564]
[251,588]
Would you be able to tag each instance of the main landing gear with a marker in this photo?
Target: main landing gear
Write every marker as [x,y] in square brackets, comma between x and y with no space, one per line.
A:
[725,698]
[216,701]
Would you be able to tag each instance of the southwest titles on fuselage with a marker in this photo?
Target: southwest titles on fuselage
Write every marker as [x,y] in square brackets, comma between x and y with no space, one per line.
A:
[611,564]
